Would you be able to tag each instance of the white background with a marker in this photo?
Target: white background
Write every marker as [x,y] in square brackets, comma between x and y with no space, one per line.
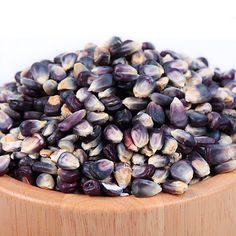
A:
[33,30]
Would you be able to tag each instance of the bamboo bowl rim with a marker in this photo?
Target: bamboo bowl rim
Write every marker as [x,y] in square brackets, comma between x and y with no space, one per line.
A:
[84,204]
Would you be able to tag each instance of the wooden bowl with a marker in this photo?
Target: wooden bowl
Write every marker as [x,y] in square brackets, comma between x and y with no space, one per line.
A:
[207,209]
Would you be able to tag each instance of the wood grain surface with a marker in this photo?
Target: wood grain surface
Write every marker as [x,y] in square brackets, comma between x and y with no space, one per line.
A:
[207,209]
